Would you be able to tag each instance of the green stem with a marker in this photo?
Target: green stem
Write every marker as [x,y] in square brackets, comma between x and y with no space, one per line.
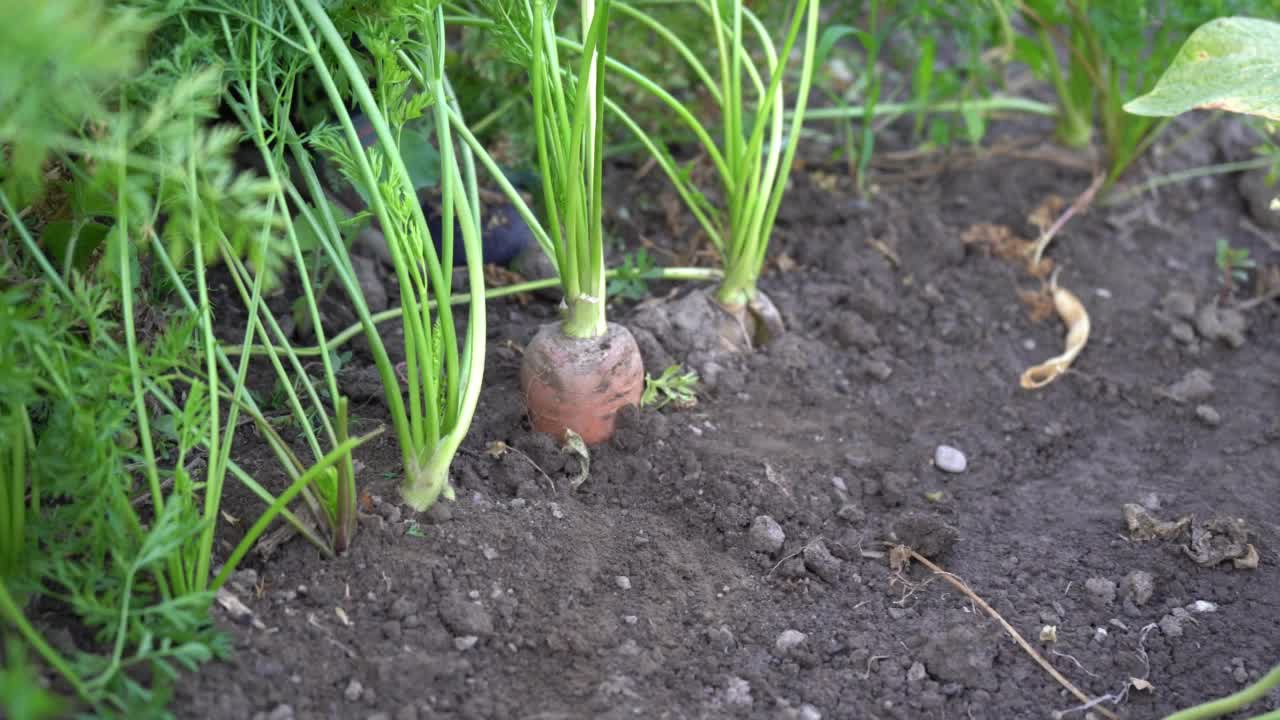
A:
[342,450]
[341,338]
[1232,702]
[991,104]
[10,611]
[1183,175]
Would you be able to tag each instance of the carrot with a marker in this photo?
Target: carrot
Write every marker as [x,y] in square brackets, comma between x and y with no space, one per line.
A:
[579,384]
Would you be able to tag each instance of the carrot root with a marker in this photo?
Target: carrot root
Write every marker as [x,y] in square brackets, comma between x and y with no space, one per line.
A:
[580,384]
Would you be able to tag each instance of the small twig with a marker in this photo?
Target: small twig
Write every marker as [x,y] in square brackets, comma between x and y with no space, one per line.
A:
[1254,302]
[794,554]
[1048,667]
[874,658]
[1080,205]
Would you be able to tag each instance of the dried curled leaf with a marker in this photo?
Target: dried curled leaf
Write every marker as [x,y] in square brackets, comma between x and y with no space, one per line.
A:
[1074,316]
[573,445]
[1145,526]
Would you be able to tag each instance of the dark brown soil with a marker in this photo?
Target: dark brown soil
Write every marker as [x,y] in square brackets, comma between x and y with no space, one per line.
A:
[646,593]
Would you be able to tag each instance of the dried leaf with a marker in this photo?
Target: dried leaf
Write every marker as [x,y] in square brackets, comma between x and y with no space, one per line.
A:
[1145,526]
[1220,539]
[573,445]
[1140,684]
[1039,304]
[1074,316]
[1047,212]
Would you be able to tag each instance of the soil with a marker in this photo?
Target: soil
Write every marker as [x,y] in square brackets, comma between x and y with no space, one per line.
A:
[729,560]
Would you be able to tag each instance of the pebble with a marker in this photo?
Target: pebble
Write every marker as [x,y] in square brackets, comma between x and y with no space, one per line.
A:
[789,640]
[281,712]
[916,672]
[623,582]
[465,642]
[630,619]
[737,692]
[949,459]
[1208,415]
[1240,675]
[408,712]
[765,535]
[353,691]
[1182,331]
[809,712]
[1101,590]
[878,369]
[1202,606]
[1139,586]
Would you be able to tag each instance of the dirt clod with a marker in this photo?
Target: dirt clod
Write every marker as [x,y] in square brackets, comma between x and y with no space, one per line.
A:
[464,617]
[1225,325]
[1138,586]
[1179,305]
[926,534]
[1195,386]
[819,561]
[955,648]
[1102,592]
[852,330]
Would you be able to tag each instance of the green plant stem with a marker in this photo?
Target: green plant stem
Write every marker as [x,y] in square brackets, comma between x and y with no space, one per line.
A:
[1233,702]
[991,104]
[342,450]
[341,338]
[1122,196]
[11,613]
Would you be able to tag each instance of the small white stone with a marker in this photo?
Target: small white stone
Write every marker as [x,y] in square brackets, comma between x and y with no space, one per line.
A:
[766,535]
[1099,634]
[465,642]
[630,619]
[788,640]
[624,582]
[1202,606]
[949,459]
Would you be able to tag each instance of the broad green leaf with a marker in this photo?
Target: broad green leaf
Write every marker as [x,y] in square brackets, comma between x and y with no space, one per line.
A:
[1227,64]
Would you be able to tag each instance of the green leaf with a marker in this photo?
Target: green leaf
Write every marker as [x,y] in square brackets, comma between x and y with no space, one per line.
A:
[1227,64]
[81,239]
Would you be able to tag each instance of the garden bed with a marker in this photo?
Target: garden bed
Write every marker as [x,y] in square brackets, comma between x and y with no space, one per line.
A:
[652,589]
